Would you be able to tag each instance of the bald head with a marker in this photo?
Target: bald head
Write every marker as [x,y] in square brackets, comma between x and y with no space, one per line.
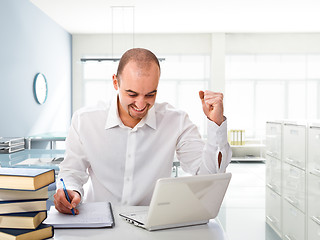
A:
[142,57]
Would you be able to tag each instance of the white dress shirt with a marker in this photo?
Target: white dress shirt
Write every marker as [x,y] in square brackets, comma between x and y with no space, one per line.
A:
[123,163]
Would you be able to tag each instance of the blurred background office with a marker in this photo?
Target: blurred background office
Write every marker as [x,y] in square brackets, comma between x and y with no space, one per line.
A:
[263,55]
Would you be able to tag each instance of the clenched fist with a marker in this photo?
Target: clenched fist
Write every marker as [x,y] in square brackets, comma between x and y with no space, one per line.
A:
[212,105]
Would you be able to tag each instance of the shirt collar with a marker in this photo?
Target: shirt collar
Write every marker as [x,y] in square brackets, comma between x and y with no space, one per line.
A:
[114,120]
[150,119]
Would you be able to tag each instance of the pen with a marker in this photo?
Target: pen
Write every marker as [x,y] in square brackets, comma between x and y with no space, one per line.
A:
[67,196]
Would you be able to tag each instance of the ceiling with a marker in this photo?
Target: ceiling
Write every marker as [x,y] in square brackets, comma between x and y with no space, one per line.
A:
[183,16]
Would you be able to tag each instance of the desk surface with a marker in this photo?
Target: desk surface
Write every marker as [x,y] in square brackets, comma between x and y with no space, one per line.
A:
[124,230]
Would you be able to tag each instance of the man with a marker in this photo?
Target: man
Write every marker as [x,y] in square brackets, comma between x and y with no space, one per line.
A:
[125,147]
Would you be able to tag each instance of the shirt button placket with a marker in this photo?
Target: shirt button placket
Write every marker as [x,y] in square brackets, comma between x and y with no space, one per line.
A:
[129,167]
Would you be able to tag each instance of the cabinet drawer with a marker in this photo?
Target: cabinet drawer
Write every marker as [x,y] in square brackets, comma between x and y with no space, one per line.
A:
[294,186]
[273,210]
[273,174]
[314,150]
[293,223]
[294,145]
[313,196]
[273,140]
[313,230]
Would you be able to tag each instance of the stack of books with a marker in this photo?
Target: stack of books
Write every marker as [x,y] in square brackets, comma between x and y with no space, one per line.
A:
[11,144]
[23,198]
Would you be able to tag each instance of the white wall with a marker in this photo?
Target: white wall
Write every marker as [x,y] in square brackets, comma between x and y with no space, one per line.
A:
[269,43]
[30,43]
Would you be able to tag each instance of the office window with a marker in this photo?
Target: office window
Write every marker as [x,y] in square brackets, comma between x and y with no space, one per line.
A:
[262,87]
[97,81]
[181,79]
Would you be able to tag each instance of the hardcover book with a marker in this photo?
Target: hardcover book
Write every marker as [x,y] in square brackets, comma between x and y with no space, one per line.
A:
[23,206]
[7,195]
[25,178]
[42,232]
[26,220]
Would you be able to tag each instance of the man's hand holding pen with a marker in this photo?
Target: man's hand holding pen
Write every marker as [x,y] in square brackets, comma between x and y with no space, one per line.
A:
[63,205]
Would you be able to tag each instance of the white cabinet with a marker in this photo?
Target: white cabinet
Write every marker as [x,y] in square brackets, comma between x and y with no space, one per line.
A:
[294,145]
[293,222]
[313,194]
[273,139]
[273,210]
[314,150]
[248,152]
[294,180]
[314,197]
[273,174]
[313,230]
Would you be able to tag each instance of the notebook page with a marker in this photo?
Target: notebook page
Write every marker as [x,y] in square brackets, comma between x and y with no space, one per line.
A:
[91,215]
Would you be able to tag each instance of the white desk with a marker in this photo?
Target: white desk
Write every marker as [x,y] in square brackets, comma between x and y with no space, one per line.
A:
[124,230]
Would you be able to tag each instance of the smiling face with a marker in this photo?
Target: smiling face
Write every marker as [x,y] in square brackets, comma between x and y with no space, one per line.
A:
[137,87]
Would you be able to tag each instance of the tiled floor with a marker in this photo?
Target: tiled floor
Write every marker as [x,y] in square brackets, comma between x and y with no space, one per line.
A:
[242,214]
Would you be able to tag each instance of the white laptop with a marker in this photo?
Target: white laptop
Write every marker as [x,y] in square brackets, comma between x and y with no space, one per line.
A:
[183,201]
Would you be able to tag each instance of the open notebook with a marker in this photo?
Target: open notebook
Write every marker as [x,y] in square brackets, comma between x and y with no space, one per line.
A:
[91,215]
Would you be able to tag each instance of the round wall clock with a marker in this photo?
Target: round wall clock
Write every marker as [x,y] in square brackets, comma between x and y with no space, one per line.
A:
[40,88]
